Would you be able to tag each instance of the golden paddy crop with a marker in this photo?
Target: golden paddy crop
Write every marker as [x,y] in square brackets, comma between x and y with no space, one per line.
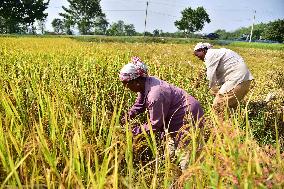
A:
[61,101]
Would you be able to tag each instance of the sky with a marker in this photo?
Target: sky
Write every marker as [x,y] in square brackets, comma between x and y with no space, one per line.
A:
[224,14]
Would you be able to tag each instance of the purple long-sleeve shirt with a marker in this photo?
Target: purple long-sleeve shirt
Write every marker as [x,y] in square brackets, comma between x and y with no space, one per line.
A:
[167,106]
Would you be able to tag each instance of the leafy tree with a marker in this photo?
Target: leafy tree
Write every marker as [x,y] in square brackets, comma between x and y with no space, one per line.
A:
[19,14]
[156,32]
[274,31]
[222,34]
[41,25]
[101,25]
[257,34]
[192,20]
[83,13]
[58,25]
[129,29]
[271,31]
[2,25]
[146,33]
[117,28]
[11,15]
[245,31]
[33,10]
[68,25]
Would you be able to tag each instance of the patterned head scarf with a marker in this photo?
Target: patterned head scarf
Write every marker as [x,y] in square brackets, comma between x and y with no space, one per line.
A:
[134,69]
[201,45]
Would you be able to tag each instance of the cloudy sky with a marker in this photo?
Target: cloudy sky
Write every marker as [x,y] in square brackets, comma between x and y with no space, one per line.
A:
[224,14]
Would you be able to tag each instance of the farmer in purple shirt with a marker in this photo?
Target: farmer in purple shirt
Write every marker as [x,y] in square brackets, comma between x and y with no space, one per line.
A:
[168,106]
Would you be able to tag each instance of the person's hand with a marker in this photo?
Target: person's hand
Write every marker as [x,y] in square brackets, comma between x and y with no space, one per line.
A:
[123,120]
[201,77]
[214,90]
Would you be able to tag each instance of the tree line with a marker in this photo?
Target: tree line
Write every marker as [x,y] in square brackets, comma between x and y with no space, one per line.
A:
[273,30]
[87,18]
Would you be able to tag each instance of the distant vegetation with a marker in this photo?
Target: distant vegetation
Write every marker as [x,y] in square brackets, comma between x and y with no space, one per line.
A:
[192,20]
[87,18]
[269,31]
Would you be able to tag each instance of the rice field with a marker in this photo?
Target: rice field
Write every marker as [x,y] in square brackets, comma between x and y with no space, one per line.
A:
[61,103]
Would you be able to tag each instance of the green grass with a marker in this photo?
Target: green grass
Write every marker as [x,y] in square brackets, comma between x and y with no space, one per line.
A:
[271,46]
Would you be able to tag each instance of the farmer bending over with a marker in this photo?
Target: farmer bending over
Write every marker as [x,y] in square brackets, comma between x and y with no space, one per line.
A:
[228,75]
[167,105]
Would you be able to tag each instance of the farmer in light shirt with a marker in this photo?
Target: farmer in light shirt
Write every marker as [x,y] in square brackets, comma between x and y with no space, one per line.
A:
[228,75]
[168,106]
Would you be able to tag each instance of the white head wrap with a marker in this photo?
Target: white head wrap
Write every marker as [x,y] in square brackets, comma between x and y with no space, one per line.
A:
[201,45]
[134,69]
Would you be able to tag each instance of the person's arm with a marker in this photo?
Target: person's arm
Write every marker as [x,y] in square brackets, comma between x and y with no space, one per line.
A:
[138,107]
[158,110]
[200,78]
[212,63]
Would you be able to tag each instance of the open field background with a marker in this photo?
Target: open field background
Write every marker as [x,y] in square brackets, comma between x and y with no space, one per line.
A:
[61,101]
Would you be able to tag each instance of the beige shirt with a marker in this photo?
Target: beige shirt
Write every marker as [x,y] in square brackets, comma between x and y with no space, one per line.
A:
[225,68]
